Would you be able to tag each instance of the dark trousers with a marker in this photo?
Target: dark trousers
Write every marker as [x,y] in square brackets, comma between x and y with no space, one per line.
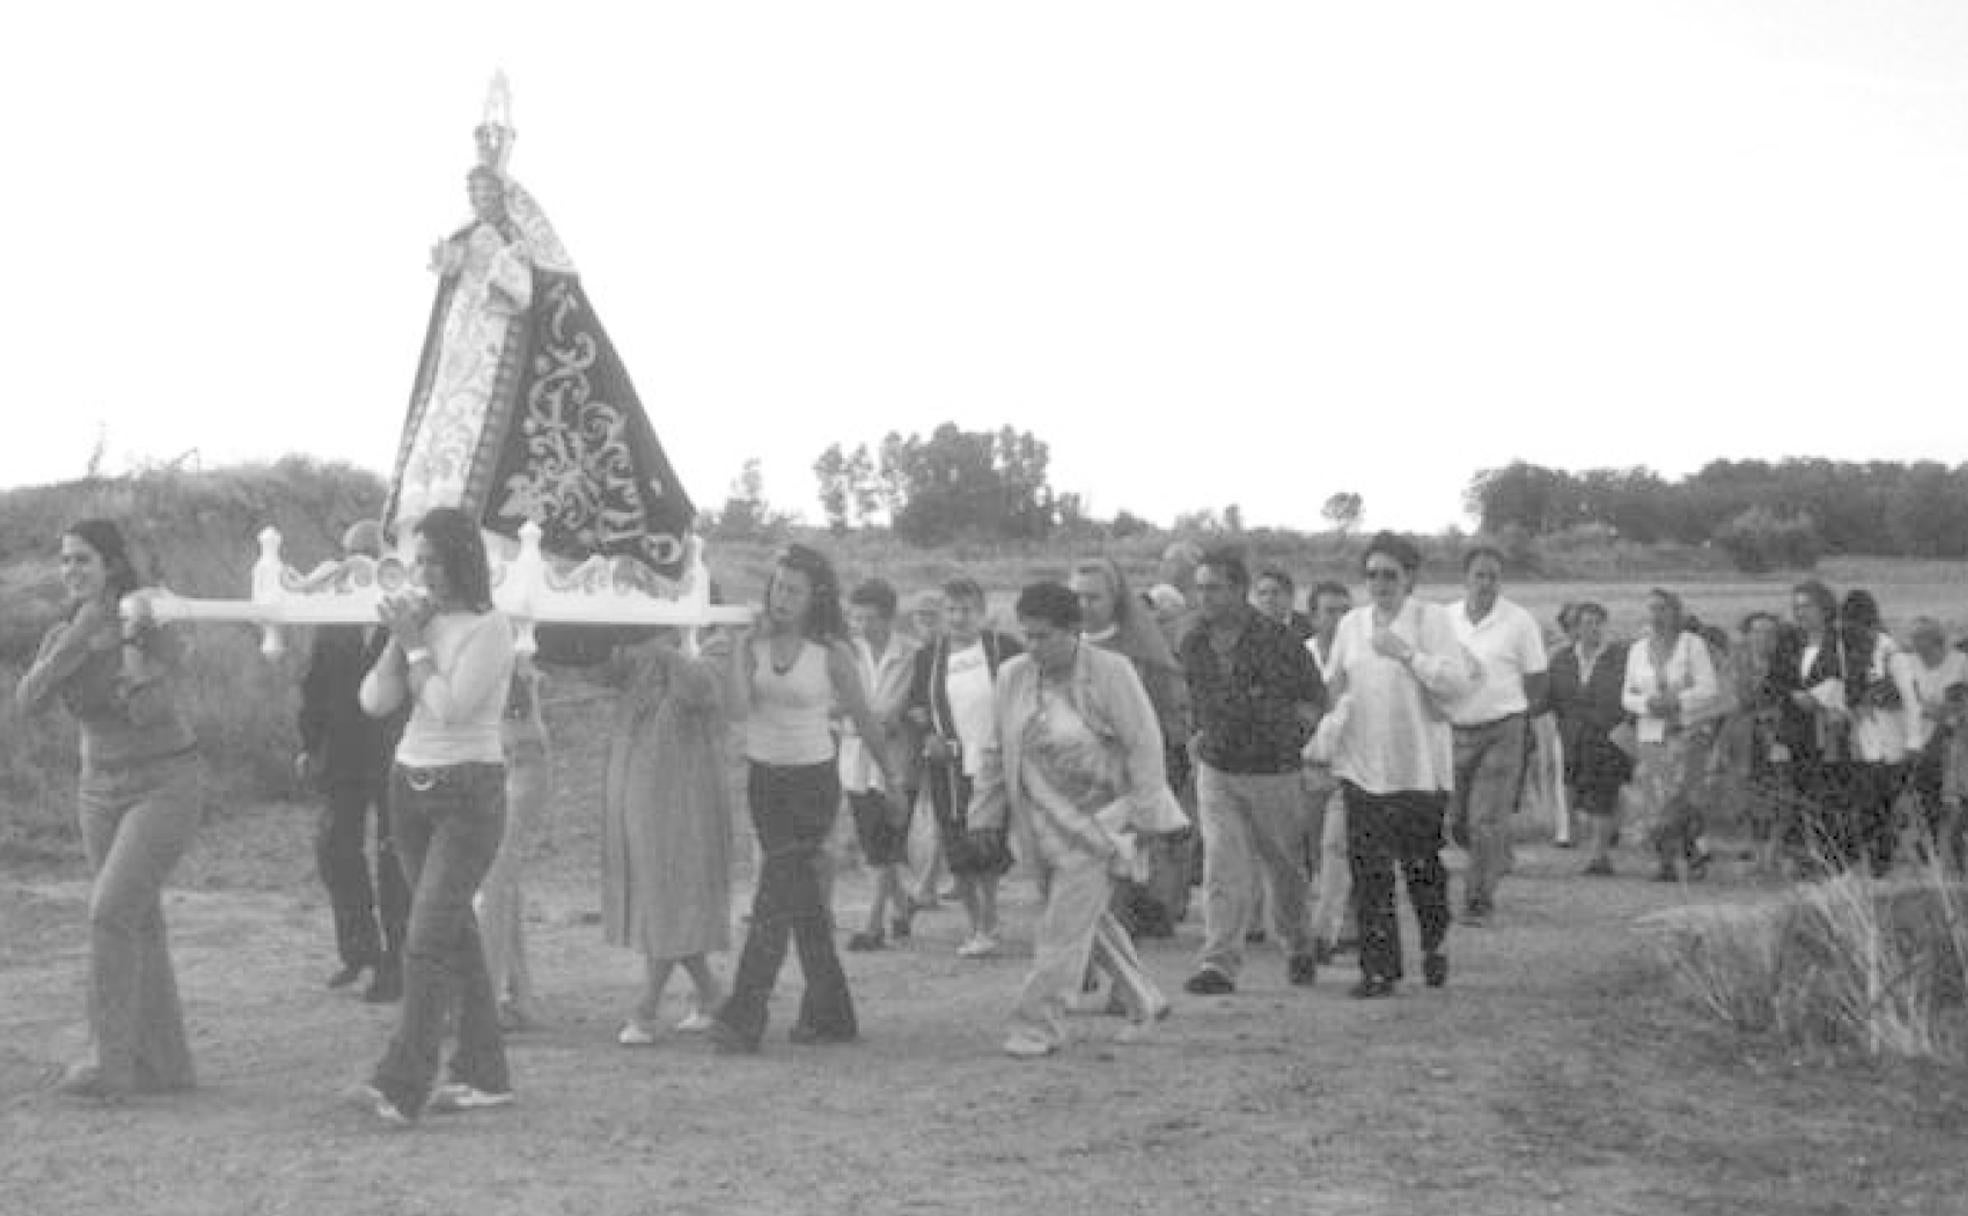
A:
[793,809]
[448,821]
[341,857]
[1942,827]
[1384,831]
[1850,814]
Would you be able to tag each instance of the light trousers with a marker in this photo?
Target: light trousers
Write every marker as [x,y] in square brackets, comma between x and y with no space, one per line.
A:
[1332,907]
[1489,782]
[1250,819]
[1075,929]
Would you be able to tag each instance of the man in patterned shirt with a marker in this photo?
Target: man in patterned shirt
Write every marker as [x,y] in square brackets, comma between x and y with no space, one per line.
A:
[1256,696]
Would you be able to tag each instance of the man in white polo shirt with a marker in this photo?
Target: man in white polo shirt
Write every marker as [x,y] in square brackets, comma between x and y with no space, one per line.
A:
[1492,726]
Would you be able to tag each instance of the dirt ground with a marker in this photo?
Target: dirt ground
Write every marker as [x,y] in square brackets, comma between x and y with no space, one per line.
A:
[1555,1074]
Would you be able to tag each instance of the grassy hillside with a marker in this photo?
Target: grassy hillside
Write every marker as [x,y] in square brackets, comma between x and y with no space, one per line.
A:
[195,533]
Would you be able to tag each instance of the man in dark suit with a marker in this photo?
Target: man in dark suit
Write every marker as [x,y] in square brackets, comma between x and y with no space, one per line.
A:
[345,754]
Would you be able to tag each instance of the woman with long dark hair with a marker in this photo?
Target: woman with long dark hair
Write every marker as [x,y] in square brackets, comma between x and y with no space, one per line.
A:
[1878,690]
[139,805]
[451,657]
[1812,735]
[785,680]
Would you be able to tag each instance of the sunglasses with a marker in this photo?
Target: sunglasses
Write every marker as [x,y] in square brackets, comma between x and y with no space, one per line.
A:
[1377,574]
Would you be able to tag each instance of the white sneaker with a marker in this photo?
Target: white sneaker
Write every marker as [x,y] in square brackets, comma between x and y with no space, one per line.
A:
[635,1034]
[371,1099]
[457,1096]
[983,945]
[697,1022]
[1024,1047]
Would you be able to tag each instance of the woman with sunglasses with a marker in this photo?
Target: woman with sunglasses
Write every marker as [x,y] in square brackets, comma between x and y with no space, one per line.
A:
[1395,665]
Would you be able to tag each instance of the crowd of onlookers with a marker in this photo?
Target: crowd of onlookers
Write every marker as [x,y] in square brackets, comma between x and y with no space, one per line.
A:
[1295,759]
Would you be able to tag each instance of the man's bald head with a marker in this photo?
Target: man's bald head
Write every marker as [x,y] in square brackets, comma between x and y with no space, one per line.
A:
[364,536]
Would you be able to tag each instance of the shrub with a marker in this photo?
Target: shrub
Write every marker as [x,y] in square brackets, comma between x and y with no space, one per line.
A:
[1847,964]
[1760,540]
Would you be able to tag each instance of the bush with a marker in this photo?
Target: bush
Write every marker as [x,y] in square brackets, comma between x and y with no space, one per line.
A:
[197,533]
[1760,540]
[1844,965]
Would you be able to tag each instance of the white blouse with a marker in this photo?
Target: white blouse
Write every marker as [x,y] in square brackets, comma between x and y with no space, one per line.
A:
[1688,676]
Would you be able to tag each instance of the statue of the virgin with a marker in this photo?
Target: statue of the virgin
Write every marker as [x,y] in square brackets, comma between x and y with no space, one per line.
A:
[521,408]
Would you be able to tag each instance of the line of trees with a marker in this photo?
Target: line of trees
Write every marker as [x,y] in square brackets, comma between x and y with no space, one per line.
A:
[957,485]
[1766,514]
[951,485]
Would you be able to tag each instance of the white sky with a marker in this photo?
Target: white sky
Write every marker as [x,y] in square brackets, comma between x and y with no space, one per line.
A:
[1212,253]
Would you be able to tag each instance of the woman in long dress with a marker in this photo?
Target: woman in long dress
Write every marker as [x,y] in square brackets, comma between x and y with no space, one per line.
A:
[666,840]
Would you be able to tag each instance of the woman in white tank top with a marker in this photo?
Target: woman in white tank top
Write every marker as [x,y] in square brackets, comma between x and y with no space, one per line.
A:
[786,678]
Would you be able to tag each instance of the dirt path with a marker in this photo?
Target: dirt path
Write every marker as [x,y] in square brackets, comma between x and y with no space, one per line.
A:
[1553,1075]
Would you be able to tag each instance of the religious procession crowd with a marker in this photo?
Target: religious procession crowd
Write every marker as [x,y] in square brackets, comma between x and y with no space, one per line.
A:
[1121,746]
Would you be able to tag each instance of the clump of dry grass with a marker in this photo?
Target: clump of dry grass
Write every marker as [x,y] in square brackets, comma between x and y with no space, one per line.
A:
[1849,963]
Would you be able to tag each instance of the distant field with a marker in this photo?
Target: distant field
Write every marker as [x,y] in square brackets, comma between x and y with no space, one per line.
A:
[1905,590]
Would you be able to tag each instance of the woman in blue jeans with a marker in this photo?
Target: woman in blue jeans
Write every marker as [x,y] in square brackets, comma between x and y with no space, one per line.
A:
[139,807]
[451,656]
[786,680]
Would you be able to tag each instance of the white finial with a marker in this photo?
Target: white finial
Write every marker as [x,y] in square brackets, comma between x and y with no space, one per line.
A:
[495,130]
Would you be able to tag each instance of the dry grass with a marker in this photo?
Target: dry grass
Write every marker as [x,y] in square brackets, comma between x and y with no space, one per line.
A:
[1847,964]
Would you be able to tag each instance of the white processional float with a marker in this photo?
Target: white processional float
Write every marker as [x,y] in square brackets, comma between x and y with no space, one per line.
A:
[523,416]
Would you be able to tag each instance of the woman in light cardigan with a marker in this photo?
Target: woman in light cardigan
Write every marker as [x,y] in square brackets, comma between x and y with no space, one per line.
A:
[451,656]
[1074,763]
[1670,683]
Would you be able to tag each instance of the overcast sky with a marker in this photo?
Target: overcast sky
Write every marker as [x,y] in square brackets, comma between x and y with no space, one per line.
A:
[1212,253]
